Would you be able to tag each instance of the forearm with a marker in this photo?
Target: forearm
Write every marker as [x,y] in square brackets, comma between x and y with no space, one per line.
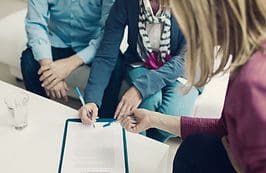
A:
[167,123]
[75,61]
[193,125]
[87,54]
[185,126]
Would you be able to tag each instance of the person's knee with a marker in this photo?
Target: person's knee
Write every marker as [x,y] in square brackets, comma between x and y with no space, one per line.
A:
[184,104]
[198,152]
[189,143]
[153,102]
[189,101]
[175,101]
[28,63]
[195,146]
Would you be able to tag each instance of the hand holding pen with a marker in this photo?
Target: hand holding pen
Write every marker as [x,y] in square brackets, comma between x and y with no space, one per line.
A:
[88,113]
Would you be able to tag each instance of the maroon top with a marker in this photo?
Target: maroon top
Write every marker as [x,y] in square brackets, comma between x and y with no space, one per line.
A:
[243,118]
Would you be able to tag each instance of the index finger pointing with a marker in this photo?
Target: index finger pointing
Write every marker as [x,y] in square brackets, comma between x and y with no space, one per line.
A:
[118,109]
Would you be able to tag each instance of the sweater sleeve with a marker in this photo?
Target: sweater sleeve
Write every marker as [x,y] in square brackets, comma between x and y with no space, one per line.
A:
[36,25]
[190,125]
[107,53]
[250,126]
[154,80]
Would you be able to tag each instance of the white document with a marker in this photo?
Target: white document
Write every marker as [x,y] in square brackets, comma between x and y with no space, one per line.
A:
[93,150]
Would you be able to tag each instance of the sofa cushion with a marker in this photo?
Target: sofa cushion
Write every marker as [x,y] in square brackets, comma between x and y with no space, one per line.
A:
[13,38]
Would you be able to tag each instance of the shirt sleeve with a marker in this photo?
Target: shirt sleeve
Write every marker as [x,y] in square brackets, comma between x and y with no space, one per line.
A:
[107,54]
[154,80]
[87,54]
[36,24]
[250,125]
[190,125]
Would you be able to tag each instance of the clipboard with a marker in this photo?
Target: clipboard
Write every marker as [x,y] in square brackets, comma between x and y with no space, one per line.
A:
[103,120]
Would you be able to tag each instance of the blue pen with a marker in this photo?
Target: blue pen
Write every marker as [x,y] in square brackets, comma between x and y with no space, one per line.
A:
[81,100]
[109,123]
[80,96]
[114,120]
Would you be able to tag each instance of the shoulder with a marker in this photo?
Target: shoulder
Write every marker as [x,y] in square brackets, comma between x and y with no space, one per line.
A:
[254,71]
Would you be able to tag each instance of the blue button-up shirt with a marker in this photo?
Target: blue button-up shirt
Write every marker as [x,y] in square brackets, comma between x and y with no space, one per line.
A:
[66,23]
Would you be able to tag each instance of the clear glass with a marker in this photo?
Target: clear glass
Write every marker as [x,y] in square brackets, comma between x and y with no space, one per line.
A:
[17,104]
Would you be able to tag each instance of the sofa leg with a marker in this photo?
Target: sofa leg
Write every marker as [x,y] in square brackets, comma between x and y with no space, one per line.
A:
[18,79]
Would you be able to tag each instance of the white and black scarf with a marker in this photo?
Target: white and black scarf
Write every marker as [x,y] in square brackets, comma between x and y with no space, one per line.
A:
[144,47]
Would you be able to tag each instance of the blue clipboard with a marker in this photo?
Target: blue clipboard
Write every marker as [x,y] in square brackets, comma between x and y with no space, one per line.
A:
[98,120]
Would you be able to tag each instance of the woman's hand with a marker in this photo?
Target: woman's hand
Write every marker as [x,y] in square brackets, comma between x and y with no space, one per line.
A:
[138,121]
[88,113]
[142,119]
[130,101]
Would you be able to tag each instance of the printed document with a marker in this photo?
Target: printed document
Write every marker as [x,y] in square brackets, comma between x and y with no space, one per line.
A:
[93,150]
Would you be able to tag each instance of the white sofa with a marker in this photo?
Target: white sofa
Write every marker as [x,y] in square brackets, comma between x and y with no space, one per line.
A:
[13,39]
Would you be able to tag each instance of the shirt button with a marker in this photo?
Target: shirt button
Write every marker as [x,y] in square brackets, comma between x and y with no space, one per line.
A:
[71,15]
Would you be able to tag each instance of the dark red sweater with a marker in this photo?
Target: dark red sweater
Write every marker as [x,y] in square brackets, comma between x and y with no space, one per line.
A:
[243,118]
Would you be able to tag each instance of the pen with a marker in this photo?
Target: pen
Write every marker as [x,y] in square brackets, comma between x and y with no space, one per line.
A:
[109,123]
[114,120]
[82,100]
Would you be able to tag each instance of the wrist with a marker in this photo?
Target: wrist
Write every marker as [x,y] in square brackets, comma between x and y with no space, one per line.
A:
[137,92]
[75,61]
[45,61]
[154,119]
[171,124]
[93,104]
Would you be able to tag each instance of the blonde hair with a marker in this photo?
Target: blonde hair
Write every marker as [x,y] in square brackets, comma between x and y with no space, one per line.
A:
[237,26]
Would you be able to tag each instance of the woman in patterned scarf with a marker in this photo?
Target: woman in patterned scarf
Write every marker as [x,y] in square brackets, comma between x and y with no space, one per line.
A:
[152,64]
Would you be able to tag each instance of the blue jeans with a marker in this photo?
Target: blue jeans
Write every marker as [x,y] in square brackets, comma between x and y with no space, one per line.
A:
[169,100]
[202,153]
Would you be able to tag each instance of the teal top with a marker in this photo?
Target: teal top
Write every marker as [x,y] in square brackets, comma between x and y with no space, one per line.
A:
[77,24]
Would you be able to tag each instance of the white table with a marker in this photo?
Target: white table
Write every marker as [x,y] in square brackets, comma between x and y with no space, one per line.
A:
[36,149]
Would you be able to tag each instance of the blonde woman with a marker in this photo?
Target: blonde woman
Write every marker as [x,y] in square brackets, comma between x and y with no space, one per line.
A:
[236,142]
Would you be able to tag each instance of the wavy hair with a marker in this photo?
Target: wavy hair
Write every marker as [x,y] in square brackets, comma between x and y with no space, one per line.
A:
[237,26]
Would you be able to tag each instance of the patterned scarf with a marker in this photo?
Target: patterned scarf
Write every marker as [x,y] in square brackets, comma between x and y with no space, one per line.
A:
[151,59]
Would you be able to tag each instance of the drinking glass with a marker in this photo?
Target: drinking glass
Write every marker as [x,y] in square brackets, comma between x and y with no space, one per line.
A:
[17,104]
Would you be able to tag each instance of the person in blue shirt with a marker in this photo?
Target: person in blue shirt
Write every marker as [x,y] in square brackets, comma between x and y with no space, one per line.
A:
[151,64]
[62,35]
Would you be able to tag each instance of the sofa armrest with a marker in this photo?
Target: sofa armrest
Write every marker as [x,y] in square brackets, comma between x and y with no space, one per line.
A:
[13,38]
